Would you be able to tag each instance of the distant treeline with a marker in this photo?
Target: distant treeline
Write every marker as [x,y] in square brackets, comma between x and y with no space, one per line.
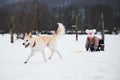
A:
[35,16]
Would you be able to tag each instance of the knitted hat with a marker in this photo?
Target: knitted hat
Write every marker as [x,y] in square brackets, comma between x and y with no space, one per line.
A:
[90,32]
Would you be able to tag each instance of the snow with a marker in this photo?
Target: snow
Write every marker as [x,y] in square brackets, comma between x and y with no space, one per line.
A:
[77,64]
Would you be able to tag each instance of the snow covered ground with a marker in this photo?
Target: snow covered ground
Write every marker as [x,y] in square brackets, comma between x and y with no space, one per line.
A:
[77,64]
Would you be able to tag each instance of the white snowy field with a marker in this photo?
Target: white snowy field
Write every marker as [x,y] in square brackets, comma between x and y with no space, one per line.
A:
[77,64]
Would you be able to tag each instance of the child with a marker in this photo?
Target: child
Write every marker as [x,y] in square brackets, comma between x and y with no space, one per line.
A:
[93,42]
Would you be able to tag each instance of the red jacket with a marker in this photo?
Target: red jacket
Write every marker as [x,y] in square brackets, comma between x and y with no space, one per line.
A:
[92,40]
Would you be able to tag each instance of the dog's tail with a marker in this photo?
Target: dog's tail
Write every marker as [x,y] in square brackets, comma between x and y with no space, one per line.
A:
[61,29]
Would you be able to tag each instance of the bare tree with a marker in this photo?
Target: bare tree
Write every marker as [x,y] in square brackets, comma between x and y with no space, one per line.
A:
[4,20]
[12,28]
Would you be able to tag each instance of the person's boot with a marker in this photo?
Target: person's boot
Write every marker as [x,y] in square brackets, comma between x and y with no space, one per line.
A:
[102,47]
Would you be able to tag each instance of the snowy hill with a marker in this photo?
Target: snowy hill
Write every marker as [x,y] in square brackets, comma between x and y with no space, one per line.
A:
[77,64]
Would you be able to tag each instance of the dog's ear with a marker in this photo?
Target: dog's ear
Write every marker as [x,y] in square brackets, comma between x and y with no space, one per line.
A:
[30,35]
[26,34]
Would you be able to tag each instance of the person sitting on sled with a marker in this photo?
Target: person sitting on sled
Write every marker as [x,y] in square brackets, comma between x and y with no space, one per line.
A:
[92,41]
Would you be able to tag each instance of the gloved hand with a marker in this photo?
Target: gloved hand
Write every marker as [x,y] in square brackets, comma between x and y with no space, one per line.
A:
[95,47]
[87,47]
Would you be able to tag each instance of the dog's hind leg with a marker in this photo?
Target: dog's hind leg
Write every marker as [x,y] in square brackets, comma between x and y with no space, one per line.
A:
[54,50]
[51,54]
[58,53]
[43,53]
[31,54]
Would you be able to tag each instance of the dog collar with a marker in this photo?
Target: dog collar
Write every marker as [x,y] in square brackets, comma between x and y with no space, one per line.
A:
[34,44]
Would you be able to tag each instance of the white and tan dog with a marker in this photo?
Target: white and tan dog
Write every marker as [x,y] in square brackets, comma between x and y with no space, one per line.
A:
[40,43]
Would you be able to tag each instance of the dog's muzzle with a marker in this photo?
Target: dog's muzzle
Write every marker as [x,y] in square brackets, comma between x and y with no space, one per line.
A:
[26,45]
[23,43]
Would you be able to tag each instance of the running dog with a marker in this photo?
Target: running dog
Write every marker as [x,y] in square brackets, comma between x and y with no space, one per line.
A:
[43,41]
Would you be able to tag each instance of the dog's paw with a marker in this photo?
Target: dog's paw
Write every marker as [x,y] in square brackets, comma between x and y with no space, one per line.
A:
[25,62]
[49,58]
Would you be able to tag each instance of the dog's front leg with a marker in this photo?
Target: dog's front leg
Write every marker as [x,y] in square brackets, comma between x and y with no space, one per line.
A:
[31,54]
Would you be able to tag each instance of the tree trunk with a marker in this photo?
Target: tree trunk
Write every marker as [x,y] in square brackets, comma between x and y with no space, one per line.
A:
[76,27]
[102,26]
[12,29]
